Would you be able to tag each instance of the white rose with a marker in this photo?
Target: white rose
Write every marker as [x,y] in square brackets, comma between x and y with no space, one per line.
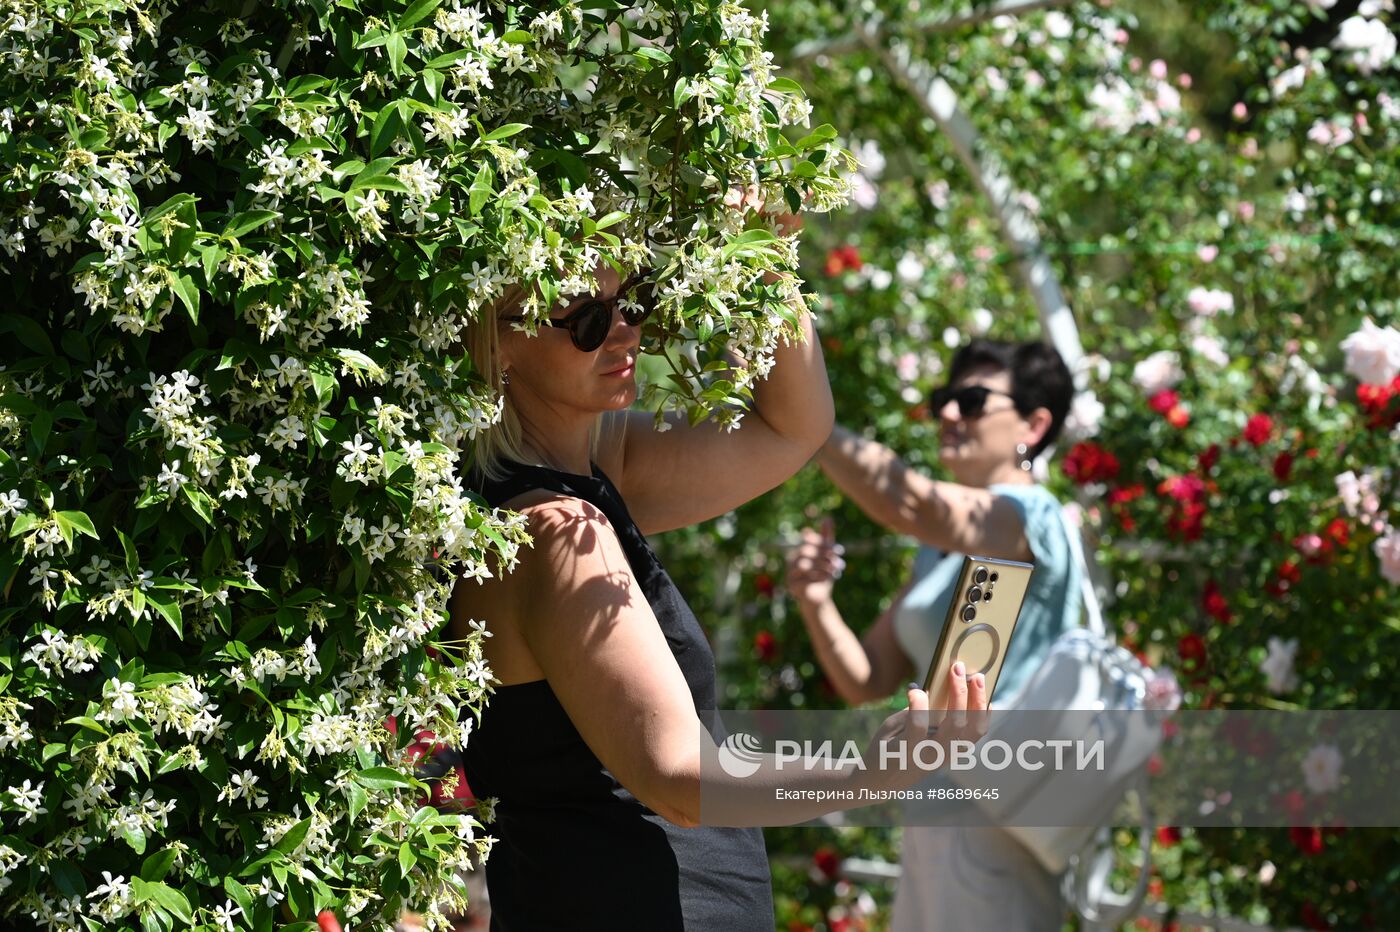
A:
[1085,416]
[1373,353]
[1161,370]
[1278,666]
[1322,768]
[1370,41]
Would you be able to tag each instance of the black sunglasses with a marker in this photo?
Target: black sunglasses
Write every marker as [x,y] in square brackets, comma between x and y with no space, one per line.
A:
[589,323]
[971,399]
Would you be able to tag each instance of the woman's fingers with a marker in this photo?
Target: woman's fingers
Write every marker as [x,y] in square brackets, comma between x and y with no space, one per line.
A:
[919,717]
[977,703]
[957,695]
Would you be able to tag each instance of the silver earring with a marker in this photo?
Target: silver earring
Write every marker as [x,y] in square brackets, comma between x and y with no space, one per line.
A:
[1021,451]
[505,378]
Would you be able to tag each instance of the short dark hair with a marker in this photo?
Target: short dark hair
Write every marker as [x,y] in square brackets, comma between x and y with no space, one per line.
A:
[1039,378]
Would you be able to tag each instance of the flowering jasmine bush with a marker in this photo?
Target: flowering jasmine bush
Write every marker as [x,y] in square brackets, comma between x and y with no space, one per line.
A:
[238,247]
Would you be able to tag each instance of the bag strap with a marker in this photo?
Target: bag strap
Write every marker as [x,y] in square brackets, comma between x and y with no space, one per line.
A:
[1093,612]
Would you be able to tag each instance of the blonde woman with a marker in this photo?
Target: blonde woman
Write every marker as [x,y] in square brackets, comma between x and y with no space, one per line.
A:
[592,742]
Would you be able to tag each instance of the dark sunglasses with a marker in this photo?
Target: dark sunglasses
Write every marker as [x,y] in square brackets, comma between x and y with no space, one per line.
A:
[971,399]
[589,323]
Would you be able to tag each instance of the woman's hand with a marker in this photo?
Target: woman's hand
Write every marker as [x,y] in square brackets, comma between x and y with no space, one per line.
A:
[814,565]
[965,719]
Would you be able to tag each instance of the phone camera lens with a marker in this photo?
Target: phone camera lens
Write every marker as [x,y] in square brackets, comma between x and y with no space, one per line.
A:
[974,594]
[969,613]
[981,575]
[987,596]
[994,577]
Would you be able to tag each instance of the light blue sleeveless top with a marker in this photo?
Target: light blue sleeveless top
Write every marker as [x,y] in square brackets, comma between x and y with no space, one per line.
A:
[1052,602]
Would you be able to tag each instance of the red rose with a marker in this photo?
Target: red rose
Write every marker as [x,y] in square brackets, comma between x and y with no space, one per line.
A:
[1154,765]
[833,265]
[1178,417]
[765,645]
[1126,493]
[1339,532]
[1283,466]
[1168,835]
[1164,401]
[1188,523]
[851,256]
[1192,648]
[1208,458]
[764,584]
[1215,603]
[1187,488]
[1258,429]
[1088,462]
[1306,840]
[828,862]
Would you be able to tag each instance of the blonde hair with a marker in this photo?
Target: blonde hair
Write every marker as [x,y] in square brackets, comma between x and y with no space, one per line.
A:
[503,441]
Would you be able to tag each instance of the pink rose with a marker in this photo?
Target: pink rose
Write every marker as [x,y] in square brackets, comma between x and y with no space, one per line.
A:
[1239,111]
[1158,69]
[1388,552]
[1209,252]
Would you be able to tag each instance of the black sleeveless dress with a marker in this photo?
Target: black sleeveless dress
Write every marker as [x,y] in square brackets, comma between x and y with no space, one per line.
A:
[575,849]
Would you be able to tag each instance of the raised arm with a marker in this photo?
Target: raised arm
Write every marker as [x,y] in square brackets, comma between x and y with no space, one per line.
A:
[954,518]
[862,669]
[687,474]
[594,637]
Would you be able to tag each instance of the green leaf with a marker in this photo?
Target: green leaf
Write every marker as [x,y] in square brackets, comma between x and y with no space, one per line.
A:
[188,293]
[158,865]
[200,501]
[132,564]
[406,858]
[294,837]
[169,608]
[505,132]
[382,778]
[417,11]
[358,800]
[819,136]
[397,48]
[30,334]
[91,724]
[240,895]
[248,221]
[386,129]
[135,838]
[173,901]
[77,521]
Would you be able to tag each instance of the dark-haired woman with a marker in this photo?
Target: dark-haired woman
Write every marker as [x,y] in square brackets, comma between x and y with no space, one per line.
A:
[1003,406]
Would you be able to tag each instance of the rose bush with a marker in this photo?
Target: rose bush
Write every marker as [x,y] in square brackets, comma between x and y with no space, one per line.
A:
[238,245]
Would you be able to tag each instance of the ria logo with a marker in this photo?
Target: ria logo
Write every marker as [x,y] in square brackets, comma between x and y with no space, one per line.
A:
[740,755]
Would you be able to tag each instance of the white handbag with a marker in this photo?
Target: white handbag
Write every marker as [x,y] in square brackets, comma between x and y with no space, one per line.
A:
[1084,672]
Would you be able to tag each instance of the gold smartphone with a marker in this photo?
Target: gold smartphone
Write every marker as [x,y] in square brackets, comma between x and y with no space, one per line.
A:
[981,619]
